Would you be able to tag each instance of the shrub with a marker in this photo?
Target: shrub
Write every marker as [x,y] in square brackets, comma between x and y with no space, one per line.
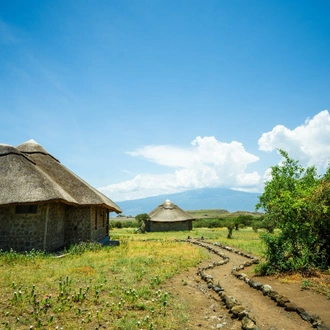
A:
[118,224]
[297,201]
[207,223]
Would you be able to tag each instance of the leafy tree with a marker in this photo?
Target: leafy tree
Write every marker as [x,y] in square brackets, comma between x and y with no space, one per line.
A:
[141,219]
[257,223]
[296,200]
[229,223]
[243,220]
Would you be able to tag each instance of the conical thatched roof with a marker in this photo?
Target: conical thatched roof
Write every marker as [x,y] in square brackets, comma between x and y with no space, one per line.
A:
[169,212]
[29,174]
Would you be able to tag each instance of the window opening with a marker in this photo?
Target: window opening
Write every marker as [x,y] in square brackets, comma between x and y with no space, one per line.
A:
[26,209]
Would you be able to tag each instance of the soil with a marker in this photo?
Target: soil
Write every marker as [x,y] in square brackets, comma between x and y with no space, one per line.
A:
[206,310]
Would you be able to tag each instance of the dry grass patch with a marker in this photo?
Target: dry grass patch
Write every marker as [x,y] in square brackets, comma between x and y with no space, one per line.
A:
[318,281]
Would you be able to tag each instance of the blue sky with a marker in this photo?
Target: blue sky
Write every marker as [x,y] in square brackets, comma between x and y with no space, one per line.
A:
[143,98]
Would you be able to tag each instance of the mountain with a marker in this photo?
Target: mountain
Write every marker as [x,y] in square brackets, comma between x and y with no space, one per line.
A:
[205,198]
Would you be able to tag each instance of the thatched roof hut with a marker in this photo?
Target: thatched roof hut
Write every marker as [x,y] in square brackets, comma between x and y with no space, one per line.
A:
[67,186]
[169,217]
[29,175]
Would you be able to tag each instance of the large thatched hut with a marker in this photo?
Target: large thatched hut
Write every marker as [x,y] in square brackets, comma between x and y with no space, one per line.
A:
[45,206]
[169,217]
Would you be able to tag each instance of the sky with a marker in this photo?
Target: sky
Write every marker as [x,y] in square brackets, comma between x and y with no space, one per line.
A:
[147,97]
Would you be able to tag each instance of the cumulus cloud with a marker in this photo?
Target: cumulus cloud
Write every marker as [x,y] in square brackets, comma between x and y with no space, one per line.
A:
[309,143]
[205,163]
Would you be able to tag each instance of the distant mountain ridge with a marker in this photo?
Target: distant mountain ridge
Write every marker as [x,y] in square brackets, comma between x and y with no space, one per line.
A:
[205,198]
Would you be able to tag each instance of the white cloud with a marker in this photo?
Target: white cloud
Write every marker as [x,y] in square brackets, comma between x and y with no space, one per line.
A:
[206,163]
[309,143]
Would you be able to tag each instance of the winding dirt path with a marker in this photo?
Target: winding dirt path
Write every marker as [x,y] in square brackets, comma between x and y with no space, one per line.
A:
[207,310]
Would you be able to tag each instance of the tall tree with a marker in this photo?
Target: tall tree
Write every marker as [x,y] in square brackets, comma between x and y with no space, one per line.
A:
[295,202]
[141,219]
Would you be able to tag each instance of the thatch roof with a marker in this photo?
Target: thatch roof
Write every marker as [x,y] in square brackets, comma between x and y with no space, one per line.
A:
[169,212]
[29,174]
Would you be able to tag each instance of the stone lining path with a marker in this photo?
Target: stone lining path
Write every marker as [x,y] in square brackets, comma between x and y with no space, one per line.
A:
[237,301]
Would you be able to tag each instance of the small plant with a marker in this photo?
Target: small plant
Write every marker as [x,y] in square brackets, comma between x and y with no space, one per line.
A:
[154,281]
[305,284]
[83,247]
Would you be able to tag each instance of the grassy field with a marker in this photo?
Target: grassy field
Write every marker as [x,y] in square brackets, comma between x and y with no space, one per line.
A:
[244,239]
[117,287]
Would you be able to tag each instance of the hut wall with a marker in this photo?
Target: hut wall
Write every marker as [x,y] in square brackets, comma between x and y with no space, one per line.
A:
[21,232]
[52,227]
[99,224]
[55,226]
[77,224]
[85,224]
[169,226]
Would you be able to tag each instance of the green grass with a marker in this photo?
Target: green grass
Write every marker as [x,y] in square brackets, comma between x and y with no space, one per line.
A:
[244,239]
[113,287]
[116,287]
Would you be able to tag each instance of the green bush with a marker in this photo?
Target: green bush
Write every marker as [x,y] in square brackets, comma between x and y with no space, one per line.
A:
[130,224]
[118,224]
[297,202]
[207,223]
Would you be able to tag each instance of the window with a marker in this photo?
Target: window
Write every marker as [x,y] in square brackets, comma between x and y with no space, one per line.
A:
[26,209]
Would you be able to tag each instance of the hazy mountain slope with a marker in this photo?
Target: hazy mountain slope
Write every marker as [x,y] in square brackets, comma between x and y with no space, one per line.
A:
[206,198]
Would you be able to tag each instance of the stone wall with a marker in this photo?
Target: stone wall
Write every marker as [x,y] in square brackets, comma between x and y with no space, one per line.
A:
[54,215]
[77,224]
[21,231]
[54,226]
[99,222]
[169,226]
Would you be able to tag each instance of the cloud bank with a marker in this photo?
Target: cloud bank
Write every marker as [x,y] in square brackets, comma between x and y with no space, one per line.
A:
[207,162]
[308,143]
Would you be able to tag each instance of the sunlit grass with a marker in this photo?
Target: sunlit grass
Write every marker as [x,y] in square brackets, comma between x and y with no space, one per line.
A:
[244,239]
[113,287]
[116,287]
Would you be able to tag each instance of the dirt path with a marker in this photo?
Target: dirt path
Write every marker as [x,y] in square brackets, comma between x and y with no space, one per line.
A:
[206,309]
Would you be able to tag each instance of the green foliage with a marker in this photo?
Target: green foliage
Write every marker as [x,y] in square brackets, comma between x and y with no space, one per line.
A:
[13,257]
[243,221]
[117,224]
[239,221]
[142,219]
[129,224]
[83,247]
[230,224]
[208,223]
[296,200]
[123,224]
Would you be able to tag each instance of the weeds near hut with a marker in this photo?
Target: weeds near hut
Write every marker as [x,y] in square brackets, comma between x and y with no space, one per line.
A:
[93,286]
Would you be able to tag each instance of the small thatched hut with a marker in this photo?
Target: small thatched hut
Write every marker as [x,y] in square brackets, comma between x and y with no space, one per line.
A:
[169,217]
[45,206]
